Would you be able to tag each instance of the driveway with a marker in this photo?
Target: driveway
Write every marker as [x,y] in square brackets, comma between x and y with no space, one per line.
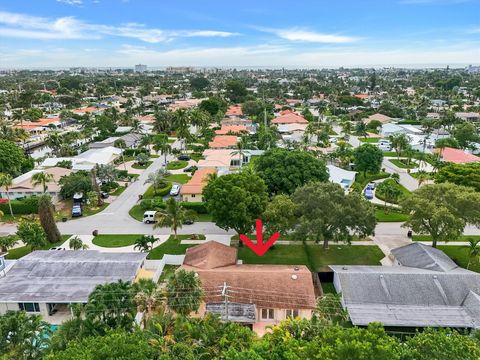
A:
[406,180]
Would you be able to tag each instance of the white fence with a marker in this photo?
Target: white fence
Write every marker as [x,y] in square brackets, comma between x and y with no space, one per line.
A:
[158,265]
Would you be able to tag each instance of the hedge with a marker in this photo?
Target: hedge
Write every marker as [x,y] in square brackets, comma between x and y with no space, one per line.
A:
[132,152]
[198,207]
[150,193]
[25,206]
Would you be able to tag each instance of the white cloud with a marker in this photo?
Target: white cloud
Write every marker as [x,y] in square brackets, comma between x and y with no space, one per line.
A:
[71,2]
[32,27]
[302,35]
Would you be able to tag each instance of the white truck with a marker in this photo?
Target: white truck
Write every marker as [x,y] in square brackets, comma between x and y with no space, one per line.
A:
[149,217]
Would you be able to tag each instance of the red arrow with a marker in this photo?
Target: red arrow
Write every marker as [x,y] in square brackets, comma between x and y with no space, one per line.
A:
[259,248]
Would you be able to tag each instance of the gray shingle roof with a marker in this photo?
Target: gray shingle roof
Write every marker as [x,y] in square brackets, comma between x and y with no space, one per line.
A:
[406,296]
[65,276]
[424,257]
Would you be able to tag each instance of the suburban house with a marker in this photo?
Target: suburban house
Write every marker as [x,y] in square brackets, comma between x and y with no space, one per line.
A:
[45,282]
[192,190]
[232,129]
[395,129]
[289,117]
[238,122]
[226,160]
[468,116]
[456,156]
[22,185]
[88,159]
[340,176]
[384,119]
[223,142]
[131,141]
[423,288]
[184,104]
[257,295]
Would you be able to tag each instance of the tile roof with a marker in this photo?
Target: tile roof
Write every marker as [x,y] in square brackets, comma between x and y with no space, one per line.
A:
[223,141]
[210,255]
[23,183]
[289,117]
[198,181]
[234,110]
[233,129]
[457,156]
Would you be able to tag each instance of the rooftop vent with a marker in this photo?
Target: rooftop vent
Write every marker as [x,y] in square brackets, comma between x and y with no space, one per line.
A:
[294,277]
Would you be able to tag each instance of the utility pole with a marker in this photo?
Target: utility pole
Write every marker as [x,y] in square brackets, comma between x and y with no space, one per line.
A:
[225,300]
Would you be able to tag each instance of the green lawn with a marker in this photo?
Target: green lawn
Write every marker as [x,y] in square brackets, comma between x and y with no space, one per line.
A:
[459,254]
[370,140]
[168,270]
[429,238]
[178,178]
[172,246]
[402,163]
[391,216]
[112,241]
[177,164]
[136,212]
[118,191]
[314,256]
[154,156]
[204,218]
[144,166]
[9,218]
[24,250]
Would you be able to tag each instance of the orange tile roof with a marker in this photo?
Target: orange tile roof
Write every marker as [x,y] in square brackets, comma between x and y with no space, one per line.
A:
[234,110]
[361,96]
[223,141]
[198,181]
[85,110]
[234,129]
[289,117]
[38,123]
[457,156]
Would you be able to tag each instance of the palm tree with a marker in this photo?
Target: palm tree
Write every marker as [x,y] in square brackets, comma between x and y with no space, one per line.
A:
[390,191]
[76,243]
[422,177]
[174,215]
[42,178]
[157,179]
[160,144]
[54,141]
[184,292]
[239,152]
[120,143]
[473,250]
[6,181]
[144,243]
[148,300]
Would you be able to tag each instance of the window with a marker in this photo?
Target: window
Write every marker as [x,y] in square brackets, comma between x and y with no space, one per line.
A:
[29,307]
[268,314]
[291,313]
[193,195]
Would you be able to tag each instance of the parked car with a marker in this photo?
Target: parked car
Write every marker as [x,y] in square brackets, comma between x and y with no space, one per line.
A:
[175,190]
[371,185]
[76,210]
[190,169]
[188,222]
[104,195]
[368,193]
[149,217]
[78,198]
[184,157]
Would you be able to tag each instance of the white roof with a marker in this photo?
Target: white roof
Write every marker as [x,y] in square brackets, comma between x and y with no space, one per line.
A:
[338,174]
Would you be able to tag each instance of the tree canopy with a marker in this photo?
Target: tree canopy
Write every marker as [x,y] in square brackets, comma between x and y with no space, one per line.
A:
[283,170]
[368,158]
[236,200]
[12,158]
[461,174]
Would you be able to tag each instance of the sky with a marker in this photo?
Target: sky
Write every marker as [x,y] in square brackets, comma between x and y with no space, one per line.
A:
[243,33]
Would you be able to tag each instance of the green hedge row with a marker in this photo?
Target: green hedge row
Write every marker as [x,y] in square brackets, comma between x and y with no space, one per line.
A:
[150,193]
[25,206]
[198,207]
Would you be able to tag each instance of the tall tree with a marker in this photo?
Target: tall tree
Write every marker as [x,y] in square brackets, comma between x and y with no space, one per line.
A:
[174,215]
[42,178]
[236,200]
[75,243]
[400,142]
[12,158]
[32,234]
[47,218]
[184,292]
[6,182]
[325,213]
[368,158]
[442,210]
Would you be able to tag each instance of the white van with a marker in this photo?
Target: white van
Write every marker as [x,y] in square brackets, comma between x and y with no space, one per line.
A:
[384,145]
[149,217]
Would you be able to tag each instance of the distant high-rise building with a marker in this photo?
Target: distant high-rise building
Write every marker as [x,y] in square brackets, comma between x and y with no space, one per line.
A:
[140,68]
[473,69]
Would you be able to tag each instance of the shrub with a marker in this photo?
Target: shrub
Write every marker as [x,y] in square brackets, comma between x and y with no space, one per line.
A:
[150,204]
[109,186]
[198,207]
[132,152]
[25,206]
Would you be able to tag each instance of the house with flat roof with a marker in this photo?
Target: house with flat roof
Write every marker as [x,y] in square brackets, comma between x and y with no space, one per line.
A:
[193,189]
[424,288]
[342,177]
[88,159]
[22,185]
[258,295]
[45,282]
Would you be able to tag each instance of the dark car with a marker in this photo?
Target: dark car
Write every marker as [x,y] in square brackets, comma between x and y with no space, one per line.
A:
[183,157]
[190,169]
[104,195]
[188,222]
